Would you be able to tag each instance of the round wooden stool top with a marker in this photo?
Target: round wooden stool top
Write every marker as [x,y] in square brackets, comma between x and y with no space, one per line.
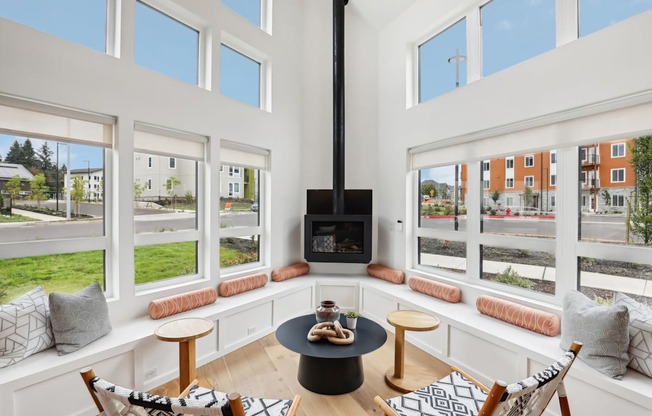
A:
[184,329]
[413,320]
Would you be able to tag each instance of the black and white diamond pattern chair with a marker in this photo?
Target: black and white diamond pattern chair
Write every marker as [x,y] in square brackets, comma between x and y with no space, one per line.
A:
[458,394]
[112,400]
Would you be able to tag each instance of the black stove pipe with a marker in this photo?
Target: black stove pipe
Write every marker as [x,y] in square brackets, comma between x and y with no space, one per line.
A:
[338,106]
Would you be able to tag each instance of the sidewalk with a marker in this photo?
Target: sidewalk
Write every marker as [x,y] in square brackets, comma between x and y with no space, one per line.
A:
[37,216]
[590,279]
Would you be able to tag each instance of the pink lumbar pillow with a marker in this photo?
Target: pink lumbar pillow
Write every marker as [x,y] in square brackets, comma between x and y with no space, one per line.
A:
[386,273]
[242,284]
[182,302]
[436,289]
[288,272]
[529,318]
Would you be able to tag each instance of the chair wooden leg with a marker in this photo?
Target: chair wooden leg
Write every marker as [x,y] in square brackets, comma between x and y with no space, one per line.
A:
[384,407]
[292,411]
[88,374]
[493,399]
[236,404]
[192,384]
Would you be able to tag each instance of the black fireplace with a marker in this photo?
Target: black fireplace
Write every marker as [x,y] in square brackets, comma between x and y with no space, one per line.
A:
[338,221]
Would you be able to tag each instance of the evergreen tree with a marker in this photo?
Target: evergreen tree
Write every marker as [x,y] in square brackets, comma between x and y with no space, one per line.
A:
[15,154]
[641,161]
[28,156]
[45,157]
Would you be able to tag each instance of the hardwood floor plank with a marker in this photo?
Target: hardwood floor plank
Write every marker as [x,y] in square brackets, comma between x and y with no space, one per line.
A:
[265,368]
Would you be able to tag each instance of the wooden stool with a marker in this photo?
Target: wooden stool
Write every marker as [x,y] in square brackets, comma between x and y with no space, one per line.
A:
[416,377]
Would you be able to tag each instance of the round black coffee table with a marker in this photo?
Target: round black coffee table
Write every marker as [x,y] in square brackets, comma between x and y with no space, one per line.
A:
[326,368]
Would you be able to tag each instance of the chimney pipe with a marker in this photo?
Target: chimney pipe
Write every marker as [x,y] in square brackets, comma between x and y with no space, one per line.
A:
[338,106]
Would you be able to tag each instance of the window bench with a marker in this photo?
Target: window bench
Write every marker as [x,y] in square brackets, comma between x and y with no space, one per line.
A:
[484,346]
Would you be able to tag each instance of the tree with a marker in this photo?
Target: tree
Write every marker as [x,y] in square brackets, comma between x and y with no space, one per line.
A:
[171,185]
[249,184]
[78,192]
[606,196]
[13,188]
[527,196]
[38,189]
[45,157]
[139,188]
[443,191]
[495,196]
[428,189]
[15,153]
[641,161]
[28,156]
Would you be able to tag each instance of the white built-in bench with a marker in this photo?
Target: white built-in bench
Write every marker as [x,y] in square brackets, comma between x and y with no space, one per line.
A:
[484,346]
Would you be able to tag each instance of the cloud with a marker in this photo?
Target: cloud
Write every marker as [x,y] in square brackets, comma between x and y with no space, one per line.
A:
[505,25]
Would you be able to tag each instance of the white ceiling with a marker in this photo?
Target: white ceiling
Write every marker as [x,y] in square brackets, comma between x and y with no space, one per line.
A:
[380,12]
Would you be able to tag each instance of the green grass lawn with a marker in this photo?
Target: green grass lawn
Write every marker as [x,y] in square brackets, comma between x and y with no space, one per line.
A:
[14,218]
[73,271]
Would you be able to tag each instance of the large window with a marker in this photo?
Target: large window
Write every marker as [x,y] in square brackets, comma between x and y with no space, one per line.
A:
[166,45]
[537,240]
[514,31]
[598,14]
[442,62]
[79,21]
[240,76]
[249,9]
[241,207]
[52,190]
[166,205]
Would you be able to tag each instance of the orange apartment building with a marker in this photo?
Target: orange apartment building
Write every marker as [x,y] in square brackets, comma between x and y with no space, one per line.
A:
[606,179]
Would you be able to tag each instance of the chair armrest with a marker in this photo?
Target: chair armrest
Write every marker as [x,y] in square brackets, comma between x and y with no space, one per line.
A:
[384,407]
[292,411]
[192,384]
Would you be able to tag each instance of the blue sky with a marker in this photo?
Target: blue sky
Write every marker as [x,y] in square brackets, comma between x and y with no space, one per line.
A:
[161,44]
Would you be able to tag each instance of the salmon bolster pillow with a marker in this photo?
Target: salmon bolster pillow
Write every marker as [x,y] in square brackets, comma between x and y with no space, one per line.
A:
[436,289]
[160,308]
[242,284]
[288,272]
[386,273]
[545,323]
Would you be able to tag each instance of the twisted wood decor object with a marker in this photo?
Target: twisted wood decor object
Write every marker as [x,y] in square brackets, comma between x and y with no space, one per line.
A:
[332,331]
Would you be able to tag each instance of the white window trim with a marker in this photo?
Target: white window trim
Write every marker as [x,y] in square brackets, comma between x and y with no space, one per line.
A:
[528,178]
[526,158]
[172,161]
[616,170]
[507,162]
[507,183]
[618,145]
[553,179]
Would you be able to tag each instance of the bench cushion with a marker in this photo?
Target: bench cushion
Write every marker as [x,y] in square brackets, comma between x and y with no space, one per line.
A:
[288,272]
[435,289]
[529,318]
[242,284]
[386,273]
[160,308]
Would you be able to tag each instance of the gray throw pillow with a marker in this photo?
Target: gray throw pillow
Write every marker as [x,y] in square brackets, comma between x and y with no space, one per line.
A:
[25,327]
[602,329]
[640,334]
[79,319]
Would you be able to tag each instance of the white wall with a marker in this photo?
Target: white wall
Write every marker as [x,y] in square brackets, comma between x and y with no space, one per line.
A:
[603,66]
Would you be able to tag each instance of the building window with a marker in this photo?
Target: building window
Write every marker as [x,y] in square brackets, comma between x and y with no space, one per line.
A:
[509,201]
[165,45]
[529,161]
[553,180]
[234,171]
[178,258]
[509,183]
[442,62]
[88,17]
[509,163]
[485,184]
[48,176]
[529,181]
[553,157]
[250,10]
[240,77]
[514,31]
[442,195]
[618,200]
[583,177]
[618,150]
[617,175]
[149,162]
[485,166]
[242,236]
[583,154]
[553,201]
[594,16]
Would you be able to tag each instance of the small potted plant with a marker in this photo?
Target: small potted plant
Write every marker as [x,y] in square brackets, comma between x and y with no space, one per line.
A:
[351,319]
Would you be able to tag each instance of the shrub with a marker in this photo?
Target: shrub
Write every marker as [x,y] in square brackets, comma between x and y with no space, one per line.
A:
[511,277]
[603,301]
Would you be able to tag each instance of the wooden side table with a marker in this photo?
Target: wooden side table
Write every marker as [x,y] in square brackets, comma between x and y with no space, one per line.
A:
[416,377]
[185,331]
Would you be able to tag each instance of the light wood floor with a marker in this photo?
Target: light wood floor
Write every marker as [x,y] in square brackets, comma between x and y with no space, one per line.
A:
[265,368]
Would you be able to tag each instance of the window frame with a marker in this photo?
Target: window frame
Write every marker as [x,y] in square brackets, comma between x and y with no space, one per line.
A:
[527,158]
[616,146]
[507,183]
[617,171]
[528,178]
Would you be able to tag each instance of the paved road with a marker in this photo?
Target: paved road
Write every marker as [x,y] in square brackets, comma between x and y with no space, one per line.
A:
[146,220]
[600,227]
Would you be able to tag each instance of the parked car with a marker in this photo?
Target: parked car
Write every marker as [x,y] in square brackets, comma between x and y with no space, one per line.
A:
[254,207]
